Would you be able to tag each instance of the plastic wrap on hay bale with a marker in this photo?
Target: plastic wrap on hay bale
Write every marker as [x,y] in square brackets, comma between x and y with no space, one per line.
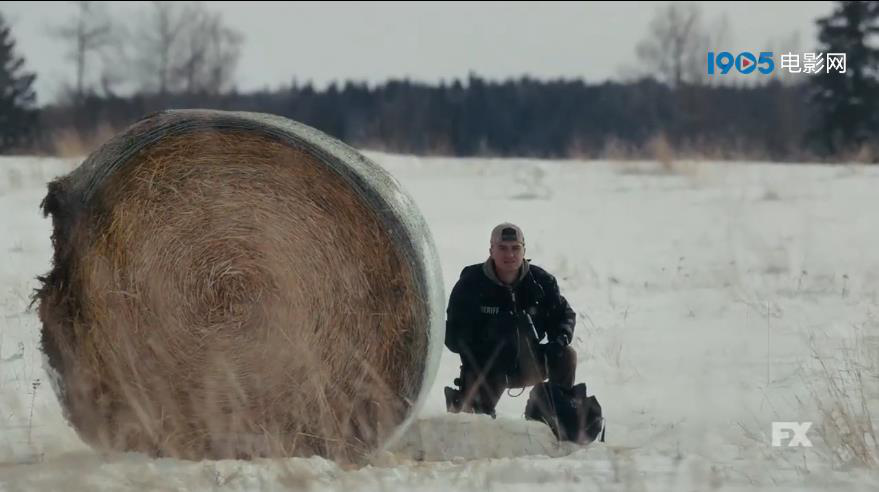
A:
[232,285]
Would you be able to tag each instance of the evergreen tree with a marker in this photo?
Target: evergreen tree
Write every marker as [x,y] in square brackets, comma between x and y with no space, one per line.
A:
[847,102]
[17,98]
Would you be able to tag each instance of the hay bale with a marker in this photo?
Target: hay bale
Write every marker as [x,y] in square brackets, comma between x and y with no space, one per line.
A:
[229,285]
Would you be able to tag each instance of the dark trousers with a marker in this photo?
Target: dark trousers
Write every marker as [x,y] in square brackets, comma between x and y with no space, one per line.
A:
[483,383]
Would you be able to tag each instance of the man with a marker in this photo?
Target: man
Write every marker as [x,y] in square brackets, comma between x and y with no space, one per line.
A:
[498,313]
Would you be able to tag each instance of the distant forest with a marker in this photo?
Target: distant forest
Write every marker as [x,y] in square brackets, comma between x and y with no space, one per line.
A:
[513,118]
[182,55]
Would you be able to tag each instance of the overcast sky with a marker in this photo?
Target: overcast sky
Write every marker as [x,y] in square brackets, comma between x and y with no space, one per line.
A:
[322,42]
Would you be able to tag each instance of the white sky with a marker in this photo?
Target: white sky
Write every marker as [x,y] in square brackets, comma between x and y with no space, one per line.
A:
[373,42]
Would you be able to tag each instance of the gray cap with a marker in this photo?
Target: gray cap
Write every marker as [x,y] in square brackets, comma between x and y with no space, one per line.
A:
[507,232]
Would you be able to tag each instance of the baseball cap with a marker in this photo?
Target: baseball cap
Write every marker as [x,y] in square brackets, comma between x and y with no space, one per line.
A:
[507,232]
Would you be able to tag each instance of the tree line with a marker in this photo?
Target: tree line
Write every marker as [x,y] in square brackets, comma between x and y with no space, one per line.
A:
[182,56]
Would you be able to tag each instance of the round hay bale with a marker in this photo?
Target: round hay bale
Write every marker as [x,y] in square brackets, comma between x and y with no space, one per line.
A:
[232,285]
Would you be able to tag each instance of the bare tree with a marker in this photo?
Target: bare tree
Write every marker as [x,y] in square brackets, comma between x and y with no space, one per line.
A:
[158,45]
[88,33]
[718,38]
[210,52]
[184,46]
[115,69]
[676,44]
[784,46]
[223,53]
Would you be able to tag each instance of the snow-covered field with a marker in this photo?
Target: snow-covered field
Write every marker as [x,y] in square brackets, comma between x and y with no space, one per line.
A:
[712,300]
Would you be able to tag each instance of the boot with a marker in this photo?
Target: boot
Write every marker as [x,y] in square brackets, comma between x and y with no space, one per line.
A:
[453,400]
[454,404]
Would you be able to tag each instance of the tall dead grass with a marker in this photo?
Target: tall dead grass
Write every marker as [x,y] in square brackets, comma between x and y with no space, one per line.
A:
[846,391]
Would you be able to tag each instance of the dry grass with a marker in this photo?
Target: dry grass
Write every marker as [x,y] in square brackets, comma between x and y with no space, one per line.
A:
[657,156]
[662,152]
[846,393]
[226,295]
[68,142]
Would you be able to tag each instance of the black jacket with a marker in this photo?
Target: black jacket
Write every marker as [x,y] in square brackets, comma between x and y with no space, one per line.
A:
[482,312]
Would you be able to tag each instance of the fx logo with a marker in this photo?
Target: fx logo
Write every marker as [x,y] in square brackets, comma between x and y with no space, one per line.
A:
[795,431]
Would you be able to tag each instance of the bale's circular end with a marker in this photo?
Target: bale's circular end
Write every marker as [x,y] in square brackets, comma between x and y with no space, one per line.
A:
[236,285]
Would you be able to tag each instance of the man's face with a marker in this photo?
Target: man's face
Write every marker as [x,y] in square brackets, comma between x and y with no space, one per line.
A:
[507,256]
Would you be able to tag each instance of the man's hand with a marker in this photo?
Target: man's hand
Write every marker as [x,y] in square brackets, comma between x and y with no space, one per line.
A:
[555,347]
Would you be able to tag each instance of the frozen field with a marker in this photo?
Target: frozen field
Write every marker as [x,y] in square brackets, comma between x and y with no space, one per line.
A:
[712,300]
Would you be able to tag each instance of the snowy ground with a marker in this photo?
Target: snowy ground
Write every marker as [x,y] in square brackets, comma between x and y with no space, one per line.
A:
[712,300]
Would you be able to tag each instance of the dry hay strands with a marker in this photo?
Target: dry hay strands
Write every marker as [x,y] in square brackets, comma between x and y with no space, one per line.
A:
[231,285]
